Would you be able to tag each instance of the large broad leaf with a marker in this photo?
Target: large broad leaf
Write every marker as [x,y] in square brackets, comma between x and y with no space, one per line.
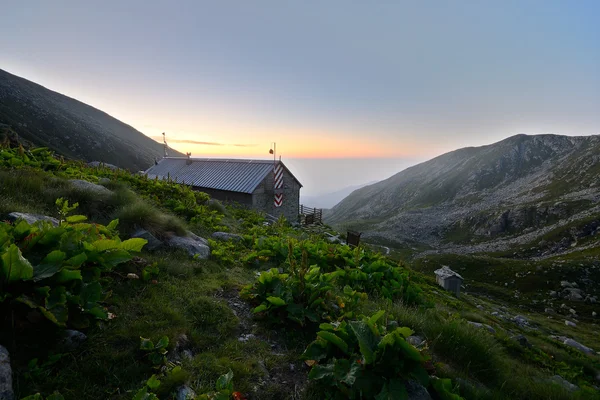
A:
[50,265]
[225,382]
[334,339]
[260,308]
[77,260]
[106,244]
[111,259]
[404,331]
[22,229]
[367,341]
[143,394]
[51,236]
[315,351]
[394,389]
[443,388]
[346,371]
[276,301]
[162,343]
[73,219]
[113,225]
[14,266]
[321,371]
[134,244]
[153,383]
[56,306]
[146,344]
[67,275]
[90,295]
[5,236]
[409,351]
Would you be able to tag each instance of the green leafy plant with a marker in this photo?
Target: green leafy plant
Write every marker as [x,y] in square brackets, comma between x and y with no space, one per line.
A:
[224,389]
[35,369]
[304,294]
[57,270]
[145,393]
[150,272]
[362,359]
[223,251]
[364,270]
[64,209]
[156,353]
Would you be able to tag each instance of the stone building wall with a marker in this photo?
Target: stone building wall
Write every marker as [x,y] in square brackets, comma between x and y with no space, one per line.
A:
[263,197]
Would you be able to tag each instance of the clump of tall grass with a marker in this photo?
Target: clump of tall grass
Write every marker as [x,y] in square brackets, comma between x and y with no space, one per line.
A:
[140,214]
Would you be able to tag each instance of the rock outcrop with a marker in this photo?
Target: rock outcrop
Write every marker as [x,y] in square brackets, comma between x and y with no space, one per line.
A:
[6,389]
[90,187]
[31,218]
[194,245]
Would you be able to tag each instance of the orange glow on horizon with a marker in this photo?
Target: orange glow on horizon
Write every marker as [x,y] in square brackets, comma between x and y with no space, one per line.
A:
[306,146]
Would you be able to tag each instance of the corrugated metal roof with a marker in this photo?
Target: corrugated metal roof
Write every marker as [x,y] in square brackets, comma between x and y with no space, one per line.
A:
[232,175]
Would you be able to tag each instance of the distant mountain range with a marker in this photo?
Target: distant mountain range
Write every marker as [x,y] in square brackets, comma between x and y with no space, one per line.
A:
[72,128]
[524,189]
[330,199]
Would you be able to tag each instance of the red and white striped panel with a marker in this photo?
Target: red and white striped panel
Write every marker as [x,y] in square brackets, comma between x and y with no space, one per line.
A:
[278,173]
[278,199]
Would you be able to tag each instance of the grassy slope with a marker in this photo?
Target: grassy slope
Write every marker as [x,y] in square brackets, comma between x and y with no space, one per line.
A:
[199,299]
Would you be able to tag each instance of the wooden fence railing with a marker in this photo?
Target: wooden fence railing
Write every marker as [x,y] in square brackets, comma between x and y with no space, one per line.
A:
[311,215]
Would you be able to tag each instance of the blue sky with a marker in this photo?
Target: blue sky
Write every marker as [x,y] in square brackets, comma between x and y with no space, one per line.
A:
[327,79]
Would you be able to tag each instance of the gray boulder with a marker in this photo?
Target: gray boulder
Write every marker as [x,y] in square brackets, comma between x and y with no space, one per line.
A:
[86,186]
[482,326]
[6,389]
[153,242]
[71,340]
[416,391]
[415,340]
[521,321]
[572,294]
[194,245]
[185,393]
[571,324]
[31,218]
[225,236]
[197,238]
[564,383]
[578,346]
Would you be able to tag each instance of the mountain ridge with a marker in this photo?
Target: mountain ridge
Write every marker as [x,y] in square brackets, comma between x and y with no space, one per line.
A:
[70,127]
[470,189]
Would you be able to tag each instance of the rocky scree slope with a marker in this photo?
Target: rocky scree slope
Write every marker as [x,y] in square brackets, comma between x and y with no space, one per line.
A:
[72,128]
[523,185]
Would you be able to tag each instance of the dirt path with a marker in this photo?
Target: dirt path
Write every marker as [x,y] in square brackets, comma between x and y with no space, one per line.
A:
[289,377]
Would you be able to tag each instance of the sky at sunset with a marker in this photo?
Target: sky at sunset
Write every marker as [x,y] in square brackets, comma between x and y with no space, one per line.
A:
[394,81]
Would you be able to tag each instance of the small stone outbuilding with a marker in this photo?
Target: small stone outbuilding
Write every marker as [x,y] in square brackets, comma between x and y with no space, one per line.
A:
[448,279]
[248,182]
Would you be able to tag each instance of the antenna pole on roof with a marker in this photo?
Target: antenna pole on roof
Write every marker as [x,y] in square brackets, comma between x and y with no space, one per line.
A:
[274,152]
[165,144]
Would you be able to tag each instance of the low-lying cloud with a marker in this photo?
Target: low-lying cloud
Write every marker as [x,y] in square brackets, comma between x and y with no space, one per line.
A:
[188,141]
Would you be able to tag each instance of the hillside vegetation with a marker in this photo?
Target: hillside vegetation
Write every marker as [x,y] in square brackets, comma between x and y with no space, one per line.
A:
[72,128]
[273,312]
